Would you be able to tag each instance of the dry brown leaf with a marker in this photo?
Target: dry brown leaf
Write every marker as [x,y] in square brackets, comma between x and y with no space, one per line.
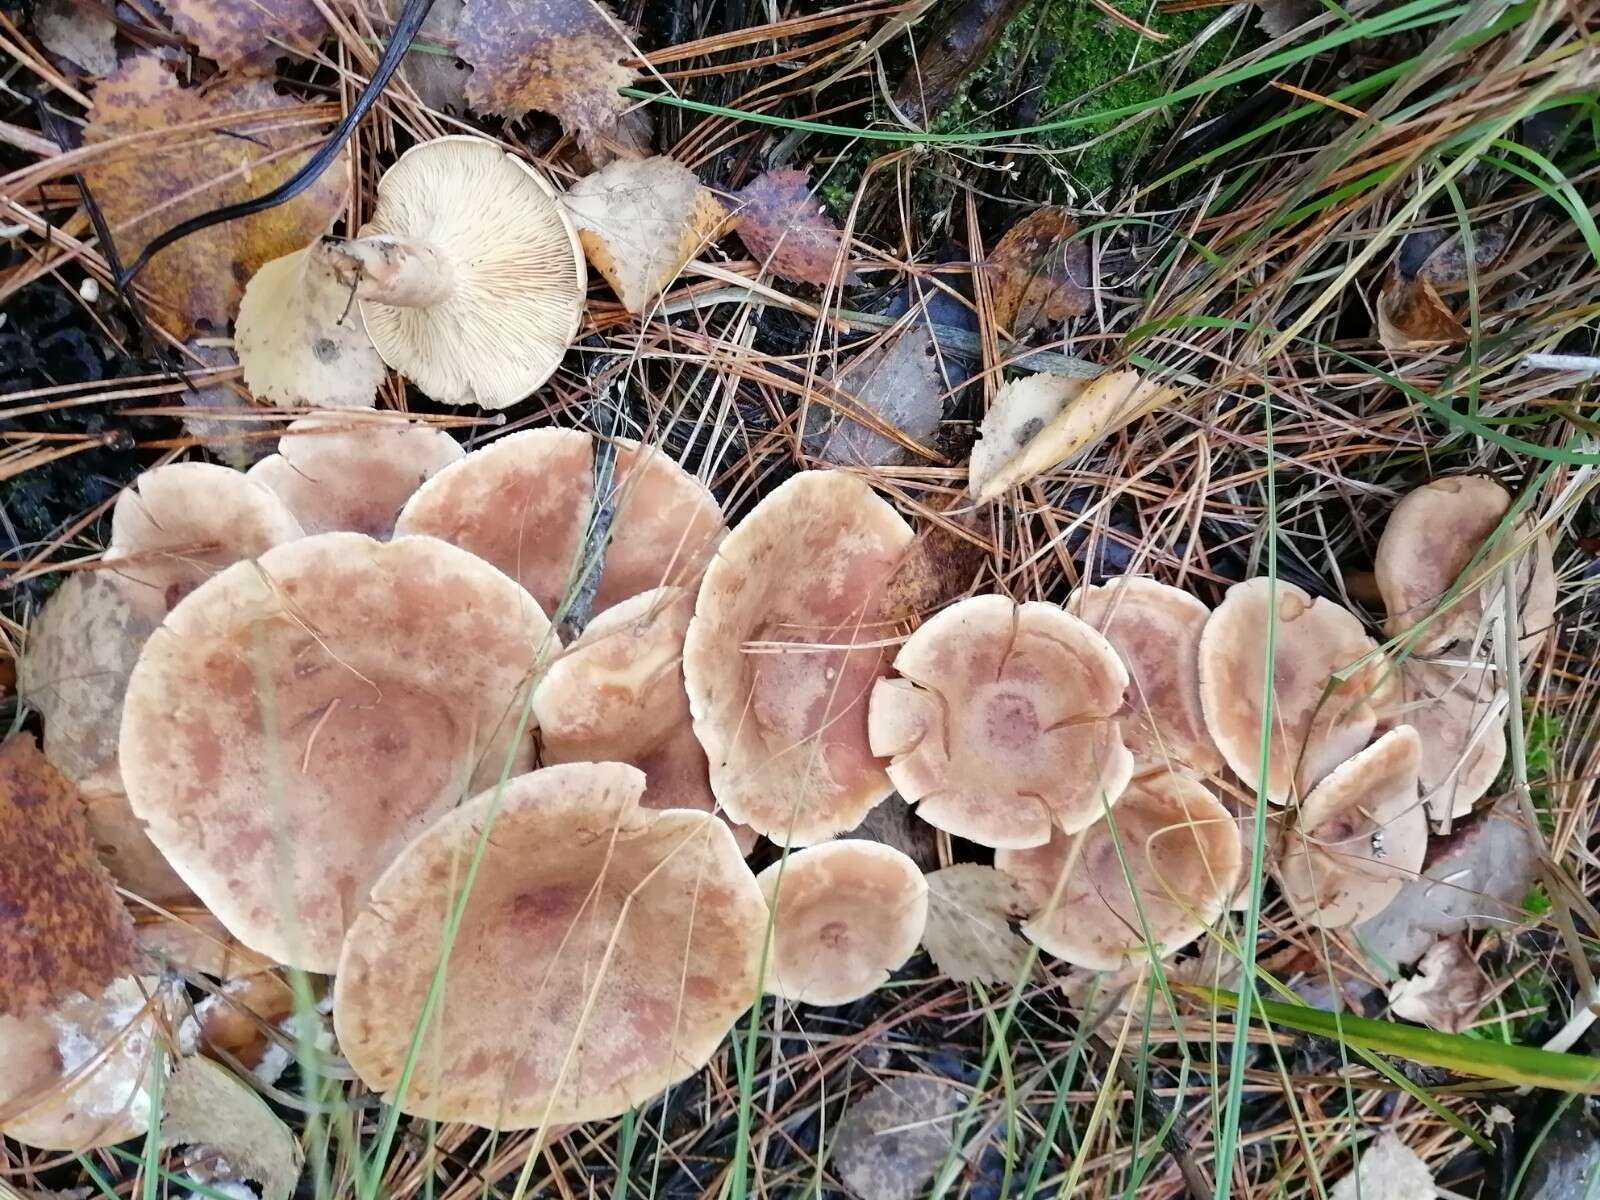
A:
[248,34]
[1412,316]
[640,220]
[890,1142]
[64,929]
[432,66]
[1039,272]
[562,57]
[969,934]
[1388,1169]
[1447,991]
[1040,421]
[204,1105]
[899,380]
[80,32]
[144,187]
[786,229]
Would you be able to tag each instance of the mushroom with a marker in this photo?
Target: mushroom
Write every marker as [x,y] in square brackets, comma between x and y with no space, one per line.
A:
[176,526]
[1168,836]
[1155,629]
[1361,835]
[1460,719]
[844,915]
[1435,572]
[77,1075]
[299,338]
[616,695]
[469,275]
[524,503]
[354,476]
[603,952]
[1002,722]
[783,723]
[1317,720]
[298,719]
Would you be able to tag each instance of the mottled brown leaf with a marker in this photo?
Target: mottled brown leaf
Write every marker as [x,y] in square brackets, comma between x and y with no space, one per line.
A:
[890,1142]
[431,65]
[206,1106]
[969,935]
[557,56]
[1411,315]
[1039,273]
[145,186]
[248,34]
[786,229]
[63,928]
[78,31]
[1447,991]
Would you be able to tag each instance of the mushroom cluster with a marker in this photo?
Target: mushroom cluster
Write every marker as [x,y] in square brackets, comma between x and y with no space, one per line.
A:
[326,705]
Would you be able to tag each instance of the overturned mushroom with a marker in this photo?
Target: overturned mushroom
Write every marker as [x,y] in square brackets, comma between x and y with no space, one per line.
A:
[295,721]
[1459,713]
[350,475]
[1156,630]
[176,526]
[525,501]
[1318,721]
[844,914]
[784,723]
[604,951]
[469,275]
[299,338]
[1361,835]
[1002,722]
[1170,837]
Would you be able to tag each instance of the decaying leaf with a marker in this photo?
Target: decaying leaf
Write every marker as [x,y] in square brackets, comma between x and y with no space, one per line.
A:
[80,31]
[145,187]
[899,380]
[230,441]
[890,1142]
[205,1106]
[432,66]
[1039,272]
[563,57]
[892,823]
[1387,1169]
[1278,17]
[786,229]
[1040,421]
[65,930]
[969,934]
[248,33]
[1411,315]
[640,221]
[1445,262]
[1447,991]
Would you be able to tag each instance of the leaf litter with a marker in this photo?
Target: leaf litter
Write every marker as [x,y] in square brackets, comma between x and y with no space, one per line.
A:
[786,229]
[969,934]
[248,36]
[237,1134]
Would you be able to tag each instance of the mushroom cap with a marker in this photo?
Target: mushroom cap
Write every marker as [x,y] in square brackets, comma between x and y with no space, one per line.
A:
[1002,723]
[524,502]
[1431,537]
[1361,836]
[1155,629]
[125,847]
[1314,729]
[177,526]
[518,271]
[1181,849]
[844,915]
[786,732]
[603,953]
[297,720]
[299,338]
[341,475]
[1461,724]
[75,1076]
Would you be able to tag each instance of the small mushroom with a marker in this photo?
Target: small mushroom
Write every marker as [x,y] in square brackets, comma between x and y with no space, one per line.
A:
[335,474]
[1317,720]
[524,503]
[298,719]
[1156,630]
[783,722]
[1002,722]
[603,952]
[1170,837]
[469,275]
[1459,714]
[299,337]
[1362,834]
[176,526]
[844,915]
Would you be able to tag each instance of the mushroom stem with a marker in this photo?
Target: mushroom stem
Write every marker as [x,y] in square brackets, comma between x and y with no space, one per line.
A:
[393,270]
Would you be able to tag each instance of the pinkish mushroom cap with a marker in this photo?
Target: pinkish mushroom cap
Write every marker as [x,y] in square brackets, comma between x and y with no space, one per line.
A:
[1459,713]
